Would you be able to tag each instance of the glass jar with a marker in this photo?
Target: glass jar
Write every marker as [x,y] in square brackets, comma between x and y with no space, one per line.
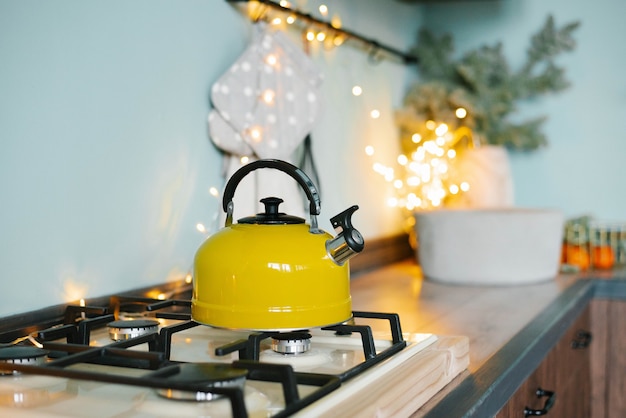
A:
[576,245]
[607,244]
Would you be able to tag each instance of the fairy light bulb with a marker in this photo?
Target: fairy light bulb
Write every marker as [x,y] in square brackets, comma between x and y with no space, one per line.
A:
[255,134]
[425,175]
[413,181]
[320,36]
[379,168]
[441,129]
[460,113]
[375,114]
[357,90]
[310,36]
[290,20]
[431,147]
[201,228]
[271,59]
[369,150]
[268,96]
[323,10]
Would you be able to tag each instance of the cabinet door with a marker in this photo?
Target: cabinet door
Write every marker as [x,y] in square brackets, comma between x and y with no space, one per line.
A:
[526,395]
[565,371]
[609,358]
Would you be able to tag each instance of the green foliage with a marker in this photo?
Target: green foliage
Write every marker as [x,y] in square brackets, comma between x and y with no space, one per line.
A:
[482,82]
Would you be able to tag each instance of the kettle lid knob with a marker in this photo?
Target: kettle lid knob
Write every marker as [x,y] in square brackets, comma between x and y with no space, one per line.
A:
[271,216]
[271,205]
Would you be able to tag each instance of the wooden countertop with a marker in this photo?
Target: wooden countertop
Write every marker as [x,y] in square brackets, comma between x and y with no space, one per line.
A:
[510,328]
[488,315]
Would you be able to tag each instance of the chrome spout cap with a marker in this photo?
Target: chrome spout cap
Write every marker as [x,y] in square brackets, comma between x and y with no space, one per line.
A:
[349,242]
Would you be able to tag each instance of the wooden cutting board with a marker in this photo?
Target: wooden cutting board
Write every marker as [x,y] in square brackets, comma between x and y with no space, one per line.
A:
[402,391]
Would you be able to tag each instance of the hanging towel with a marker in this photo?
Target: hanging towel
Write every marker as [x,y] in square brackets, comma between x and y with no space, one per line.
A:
[264,107]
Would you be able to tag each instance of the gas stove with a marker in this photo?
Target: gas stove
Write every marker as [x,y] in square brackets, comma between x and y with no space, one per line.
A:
[136,356]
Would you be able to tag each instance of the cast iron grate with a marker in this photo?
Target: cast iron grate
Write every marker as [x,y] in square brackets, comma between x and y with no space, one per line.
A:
[78,322]
[117,354]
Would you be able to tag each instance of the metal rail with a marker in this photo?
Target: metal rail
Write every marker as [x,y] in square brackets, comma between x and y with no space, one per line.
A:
[348,34]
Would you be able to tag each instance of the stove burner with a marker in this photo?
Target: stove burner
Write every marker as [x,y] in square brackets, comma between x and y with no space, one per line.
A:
[127,329]
[130,310]
[291,342]
[209,375]
[22,355]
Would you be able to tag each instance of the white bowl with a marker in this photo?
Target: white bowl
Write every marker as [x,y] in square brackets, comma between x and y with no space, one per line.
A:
[489,246]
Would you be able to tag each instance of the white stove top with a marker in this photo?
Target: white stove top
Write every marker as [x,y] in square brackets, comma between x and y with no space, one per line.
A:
[44,396]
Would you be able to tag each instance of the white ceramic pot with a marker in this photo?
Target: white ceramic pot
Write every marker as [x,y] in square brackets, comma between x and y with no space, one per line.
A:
[489,246]
[488,171]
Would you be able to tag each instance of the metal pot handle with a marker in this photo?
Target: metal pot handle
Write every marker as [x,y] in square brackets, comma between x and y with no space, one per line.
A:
[297,174]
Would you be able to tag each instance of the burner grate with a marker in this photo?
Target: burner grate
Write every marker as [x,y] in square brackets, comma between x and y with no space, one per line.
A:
[76,332]
[179,309]
[158,379]
[76,323]
[250,348]
[114,354]
[372,358]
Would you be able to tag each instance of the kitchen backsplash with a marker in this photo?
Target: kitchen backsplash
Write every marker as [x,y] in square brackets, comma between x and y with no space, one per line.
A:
[106,165]
[107,170]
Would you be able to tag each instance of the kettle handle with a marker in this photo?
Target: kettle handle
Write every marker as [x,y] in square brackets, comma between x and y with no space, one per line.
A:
[299,175]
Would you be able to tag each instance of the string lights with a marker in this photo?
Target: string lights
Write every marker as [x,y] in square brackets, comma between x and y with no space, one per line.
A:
[423,175]
[328,32]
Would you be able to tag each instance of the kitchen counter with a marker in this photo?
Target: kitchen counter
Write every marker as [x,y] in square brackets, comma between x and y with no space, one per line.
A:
[510,328]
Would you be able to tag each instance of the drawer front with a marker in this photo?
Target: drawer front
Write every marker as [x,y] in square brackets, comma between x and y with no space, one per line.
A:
[560,386]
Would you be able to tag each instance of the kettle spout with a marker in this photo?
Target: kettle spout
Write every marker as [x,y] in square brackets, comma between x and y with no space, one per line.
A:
[349,242]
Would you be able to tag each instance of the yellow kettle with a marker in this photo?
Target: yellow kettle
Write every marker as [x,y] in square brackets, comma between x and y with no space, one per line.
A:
[272,271]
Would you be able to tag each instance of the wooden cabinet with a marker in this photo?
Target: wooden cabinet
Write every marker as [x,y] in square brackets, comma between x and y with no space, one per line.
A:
[564,376]
[586,369]
[608,358]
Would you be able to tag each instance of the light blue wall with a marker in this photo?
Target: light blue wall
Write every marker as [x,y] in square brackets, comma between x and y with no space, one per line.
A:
[582,169]
[105,160]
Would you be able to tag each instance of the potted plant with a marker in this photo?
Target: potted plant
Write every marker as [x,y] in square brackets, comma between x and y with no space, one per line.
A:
[482,84]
